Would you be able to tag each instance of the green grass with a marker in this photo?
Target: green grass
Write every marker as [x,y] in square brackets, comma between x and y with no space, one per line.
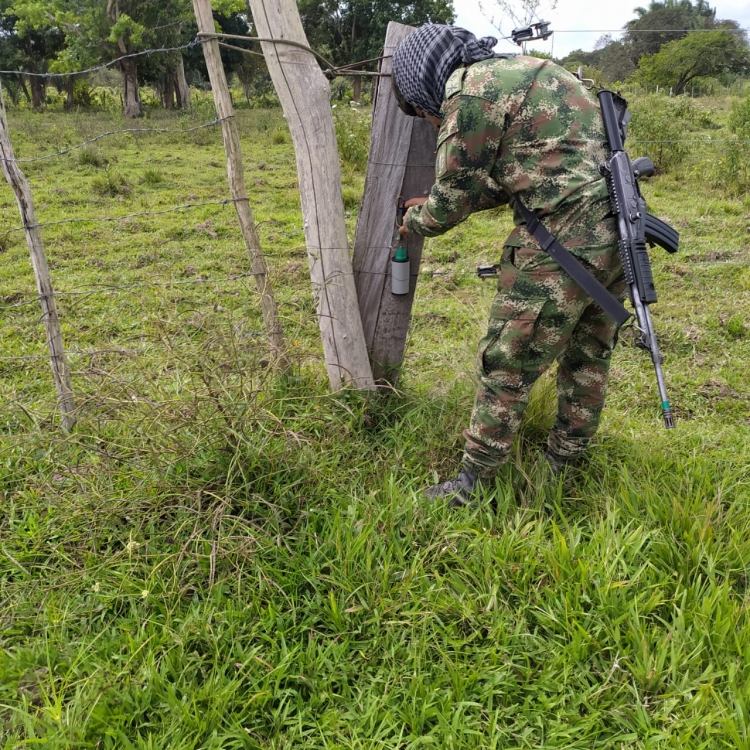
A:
[221,558]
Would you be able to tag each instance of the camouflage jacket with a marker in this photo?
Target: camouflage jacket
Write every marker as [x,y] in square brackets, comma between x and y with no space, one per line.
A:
[520,125]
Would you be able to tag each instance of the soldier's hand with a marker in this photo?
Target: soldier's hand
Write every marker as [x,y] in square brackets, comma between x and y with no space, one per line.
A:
[415,202]
[403,231]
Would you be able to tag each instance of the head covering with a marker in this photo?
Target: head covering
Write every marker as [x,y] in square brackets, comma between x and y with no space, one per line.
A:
[424,61]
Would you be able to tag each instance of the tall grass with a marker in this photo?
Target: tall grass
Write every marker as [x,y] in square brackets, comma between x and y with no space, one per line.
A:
[219,557]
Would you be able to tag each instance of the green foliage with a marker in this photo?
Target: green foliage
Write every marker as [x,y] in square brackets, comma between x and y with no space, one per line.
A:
[352,135]
[727,168]
[352,197]
[739,118]
[220,557]
[735,328]
[126,31]
[341,89]
[112,183]
[610,59]
[153,177]
[694,56]
[279,137]
[90,156]
[659,24]
[661,16]
[657,130]
[355,29]
[539,54]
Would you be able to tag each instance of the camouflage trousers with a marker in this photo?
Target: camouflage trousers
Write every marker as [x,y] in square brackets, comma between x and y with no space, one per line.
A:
[540,315]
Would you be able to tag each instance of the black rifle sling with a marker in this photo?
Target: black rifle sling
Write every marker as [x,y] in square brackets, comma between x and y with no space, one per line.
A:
[581,275]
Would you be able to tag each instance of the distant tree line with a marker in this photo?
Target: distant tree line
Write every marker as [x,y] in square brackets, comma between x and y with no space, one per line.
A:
[671,43]
[59,36]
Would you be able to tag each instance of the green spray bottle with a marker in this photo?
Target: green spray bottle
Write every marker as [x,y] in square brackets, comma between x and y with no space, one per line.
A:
[400,265]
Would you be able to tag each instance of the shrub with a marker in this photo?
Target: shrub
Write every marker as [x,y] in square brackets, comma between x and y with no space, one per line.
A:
[352,136]
[279,137]
[341,89]
[727,167]
[658,129]
[739,118]
[105,97]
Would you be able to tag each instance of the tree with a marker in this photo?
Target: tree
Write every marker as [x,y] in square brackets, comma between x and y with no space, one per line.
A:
[611,58]
[665,21]
[348,31]
[96,31]
[698,55]
[29,47]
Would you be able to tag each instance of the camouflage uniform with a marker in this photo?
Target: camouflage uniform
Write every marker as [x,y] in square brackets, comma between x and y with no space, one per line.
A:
[526,126]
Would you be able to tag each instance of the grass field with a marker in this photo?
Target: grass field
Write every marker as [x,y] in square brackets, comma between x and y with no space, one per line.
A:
[220,558]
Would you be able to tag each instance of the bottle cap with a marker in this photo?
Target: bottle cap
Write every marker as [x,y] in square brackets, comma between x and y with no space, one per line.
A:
[400,254]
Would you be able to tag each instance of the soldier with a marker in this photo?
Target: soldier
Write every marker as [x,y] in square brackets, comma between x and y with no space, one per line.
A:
[519,128]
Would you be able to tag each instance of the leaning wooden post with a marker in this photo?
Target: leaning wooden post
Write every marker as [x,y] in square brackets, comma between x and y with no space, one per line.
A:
[18,182]
[304,93]
[402,159]
[236,179]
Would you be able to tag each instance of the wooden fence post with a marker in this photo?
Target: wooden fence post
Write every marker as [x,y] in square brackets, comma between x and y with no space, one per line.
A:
[304,93]
[236,179]
[20,185]
[402,162]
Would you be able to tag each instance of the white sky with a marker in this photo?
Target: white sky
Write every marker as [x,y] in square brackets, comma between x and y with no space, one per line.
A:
[578,14]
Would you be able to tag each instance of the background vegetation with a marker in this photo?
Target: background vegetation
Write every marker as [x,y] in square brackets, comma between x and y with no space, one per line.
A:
[670,43]
[218,558]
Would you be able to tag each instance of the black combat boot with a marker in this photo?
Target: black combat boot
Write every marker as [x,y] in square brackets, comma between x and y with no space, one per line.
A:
[458,492]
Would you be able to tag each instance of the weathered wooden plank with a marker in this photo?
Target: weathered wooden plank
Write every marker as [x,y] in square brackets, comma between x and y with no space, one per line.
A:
[401,162]
[304,93]
[236,179]
[17,180]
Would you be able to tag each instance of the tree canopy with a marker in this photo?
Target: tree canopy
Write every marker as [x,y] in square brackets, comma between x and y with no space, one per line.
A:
[658,27]
[347,31]
[694,56]
[665,21]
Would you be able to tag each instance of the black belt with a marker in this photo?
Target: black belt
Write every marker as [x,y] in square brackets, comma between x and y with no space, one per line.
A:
[579,273]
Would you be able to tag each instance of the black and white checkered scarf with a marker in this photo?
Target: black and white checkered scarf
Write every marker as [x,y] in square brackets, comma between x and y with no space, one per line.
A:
[424,61]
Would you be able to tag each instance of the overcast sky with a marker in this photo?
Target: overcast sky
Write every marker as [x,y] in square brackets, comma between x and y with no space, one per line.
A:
[579,14]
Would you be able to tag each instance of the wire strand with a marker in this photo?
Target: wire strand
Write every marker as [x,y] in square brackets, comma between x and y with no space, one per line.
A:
[99,137]
[124,216]
[103,66]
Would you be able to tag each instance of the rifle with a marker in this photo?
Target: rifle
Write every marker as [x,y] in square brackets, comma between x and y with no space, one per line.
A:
[636,228]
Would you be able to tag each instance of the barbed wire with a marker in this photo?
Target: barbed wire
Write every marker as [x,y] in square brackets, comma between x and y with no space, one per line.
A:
[331,70]
[10,358]
[202,38]
[190,45]
[208,36]
[99,137]
[693,140]
[739,30]
[95,219]
[300,252]
[110,288]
